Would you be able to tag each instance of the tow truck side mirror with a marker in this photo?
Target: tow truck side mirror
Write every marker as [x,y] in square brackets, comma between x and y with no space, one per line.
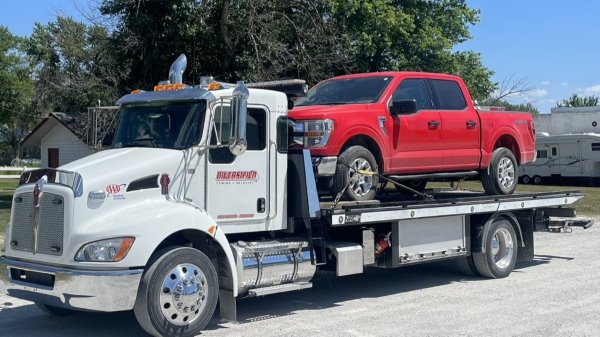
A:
[403,107]
[239,109]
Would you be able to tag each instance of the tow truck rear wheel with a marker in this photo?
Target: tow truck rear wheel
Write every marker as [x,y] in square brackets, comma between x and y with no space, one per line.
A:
[178,293]
[501,248]
[501,176]
[351,175]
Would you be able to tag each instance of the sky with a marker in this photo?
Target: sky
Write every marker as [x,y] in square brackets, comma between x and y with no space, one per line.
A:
[551,45]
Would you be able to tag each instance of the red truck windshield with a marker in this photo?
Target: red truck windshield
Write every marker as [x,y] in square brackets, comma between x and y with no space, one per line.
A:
[171,125]
[346,91]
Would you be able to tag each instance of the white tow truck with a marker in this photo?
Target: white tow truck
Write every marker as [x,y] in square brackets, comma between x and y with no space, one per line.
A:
[205,197]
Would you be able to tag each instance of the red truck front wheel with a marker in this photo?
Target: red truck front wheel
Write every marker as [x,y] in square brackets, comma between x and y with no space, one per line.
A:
[355,175]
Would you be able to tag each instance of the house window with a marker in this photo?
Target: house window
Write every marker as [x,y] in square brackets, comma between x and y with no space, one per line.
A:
[554,151]
[595,146]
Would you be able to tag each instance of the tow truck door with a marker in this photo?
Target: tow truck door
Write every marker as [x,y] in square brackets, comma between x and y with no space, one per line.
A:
[237,186]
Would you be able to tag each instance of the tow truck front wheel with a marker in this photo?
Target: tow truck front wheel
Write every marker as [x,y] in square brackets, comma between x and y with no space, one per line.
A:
[177,294]
[356,175]
[501,247]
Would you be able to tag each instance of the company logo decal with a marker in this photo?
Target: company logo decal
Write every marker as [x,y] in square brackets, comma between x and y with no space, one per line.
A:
[237,177]
[116,191]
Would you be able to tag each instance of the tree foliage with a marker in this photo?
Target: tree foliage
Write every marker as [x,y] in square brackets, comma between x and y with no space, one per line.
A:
[74,67]
[578,101]
[258,40]
[16,91]
[524,107]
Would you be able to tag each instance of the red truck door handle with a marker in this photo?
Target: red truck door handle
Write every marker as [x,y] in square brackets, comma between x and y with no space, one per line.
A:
[433,125]
[471,124]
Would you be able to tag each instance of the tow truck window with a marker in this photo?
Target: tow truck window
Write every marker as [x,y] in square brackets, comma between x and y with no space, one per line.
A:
[256,133]
[171,125]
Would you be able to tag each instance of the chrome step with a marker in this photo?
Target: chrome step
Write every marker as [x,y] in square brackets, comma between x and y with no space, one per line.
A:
[279,288]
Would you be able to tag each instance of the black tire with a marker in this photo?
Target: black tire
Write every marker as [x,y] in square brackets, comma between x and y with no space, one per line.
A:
[160,306]
[525,179]
[501,176]
[55,311]
[501,251]
[537,180]
[363,187]
[466,266]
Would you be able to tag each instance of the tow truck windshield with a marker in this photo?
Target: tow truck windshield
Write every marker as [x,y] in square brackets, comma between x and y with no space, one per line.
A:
[169,125]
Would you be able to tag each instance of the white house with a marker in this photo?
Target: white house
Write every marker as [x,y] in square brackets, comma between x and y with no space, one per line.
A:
[61,139]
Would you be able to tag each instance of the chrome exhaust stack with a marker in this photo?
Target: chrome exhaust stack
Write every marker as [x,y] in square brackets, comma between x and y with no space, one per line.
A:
[177,69]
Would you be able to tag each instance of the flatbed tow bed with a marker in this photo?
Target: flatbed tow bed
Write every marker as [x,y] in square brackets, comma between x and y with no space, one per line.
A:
[444,203]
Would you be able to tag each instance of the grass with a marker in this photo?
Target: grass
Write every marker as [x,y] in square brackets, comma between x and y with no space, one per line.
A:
[586,207]
[7,188]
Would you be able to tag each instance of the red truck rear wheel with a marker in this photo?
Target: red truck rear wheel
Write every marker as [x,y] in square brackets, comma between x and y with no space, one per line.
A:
[351,175]
[501,175]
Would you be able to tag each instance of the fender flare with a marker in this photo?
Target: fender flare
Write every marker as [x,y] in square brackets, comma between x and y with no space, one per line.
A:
[478,244]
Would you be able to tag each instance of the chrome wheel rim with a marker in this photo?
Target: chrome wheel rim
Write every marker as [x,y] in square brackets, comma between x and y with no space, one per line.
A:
[360,184]
[503,248]
[506,172]
[183,294]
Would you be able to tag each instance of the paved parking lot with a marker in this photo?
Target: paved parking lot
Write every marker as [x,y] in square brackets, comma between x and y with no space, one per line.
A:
[556,294]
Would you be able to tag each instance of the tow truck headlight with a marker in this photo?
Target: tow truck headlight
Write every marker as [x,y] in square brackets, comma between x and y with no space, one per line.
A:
[111,250]
[313,134]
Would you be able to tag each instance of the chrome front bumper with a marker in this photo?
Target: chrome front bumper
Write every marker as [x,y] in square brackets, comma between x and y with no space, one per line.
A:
[86,290]
[326,166]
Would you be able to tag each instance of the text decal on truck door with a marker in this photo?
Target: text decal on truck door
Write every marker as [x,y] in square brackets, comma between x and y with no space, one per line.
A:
[237,177]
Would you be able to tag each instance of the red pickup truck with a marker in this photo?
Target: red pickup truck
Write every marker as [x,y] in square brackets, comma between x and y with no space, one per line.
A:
[412,127]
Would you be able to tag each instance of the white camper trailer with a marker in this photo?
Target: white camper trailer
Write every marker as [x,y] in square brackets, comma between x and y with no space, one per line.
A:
[575,157]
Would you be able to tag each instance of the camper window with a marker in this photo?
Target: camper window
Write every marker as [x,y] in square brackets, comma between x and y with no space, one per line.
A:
[542,154]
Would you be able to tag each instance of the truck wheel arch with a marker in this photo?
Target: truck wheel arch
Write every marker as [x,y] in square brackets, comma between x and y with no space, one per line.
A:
[509,142]
[481,230]
[368,143]
[210,246]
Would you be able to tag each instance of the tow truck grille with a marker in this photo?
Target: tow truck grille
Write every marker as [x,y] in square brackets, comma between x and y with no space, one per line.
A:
[51,227]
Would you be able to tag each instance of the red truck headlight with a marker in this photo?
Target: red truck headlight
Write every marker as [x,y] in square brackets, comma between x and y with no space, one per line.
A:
[313,134]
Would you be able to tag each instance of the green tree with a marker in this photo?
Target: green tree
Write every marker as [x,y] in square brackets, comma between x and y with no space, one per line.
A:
[525,107]
[16,91]
[259,40]
[578,101]
[74,67]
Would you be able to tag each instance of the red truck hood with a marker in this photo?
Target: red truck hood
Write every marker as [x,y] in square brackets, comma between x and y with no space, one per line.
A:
[324,111]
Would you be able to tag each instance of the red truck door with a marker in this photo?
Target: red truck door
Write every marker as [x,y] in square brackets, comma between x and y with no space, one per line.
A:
[460,126]
[416,138]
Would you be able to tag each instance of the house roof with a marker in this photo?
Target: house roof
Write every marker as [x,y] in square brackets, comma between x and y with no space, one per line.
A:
[76,124]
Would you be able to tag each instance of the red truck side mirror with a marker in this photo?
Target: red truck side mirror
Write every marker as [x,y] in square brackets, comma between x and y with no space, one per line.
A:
[403,107]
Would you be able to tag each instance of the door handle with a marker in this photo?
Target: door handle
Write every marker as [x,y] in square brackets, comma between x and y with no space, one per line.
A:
[471,124]
[433,125]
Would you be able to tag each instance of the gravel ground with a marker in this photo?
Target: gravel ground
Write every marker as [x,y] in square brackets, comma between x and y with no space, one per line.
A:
[556,294]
